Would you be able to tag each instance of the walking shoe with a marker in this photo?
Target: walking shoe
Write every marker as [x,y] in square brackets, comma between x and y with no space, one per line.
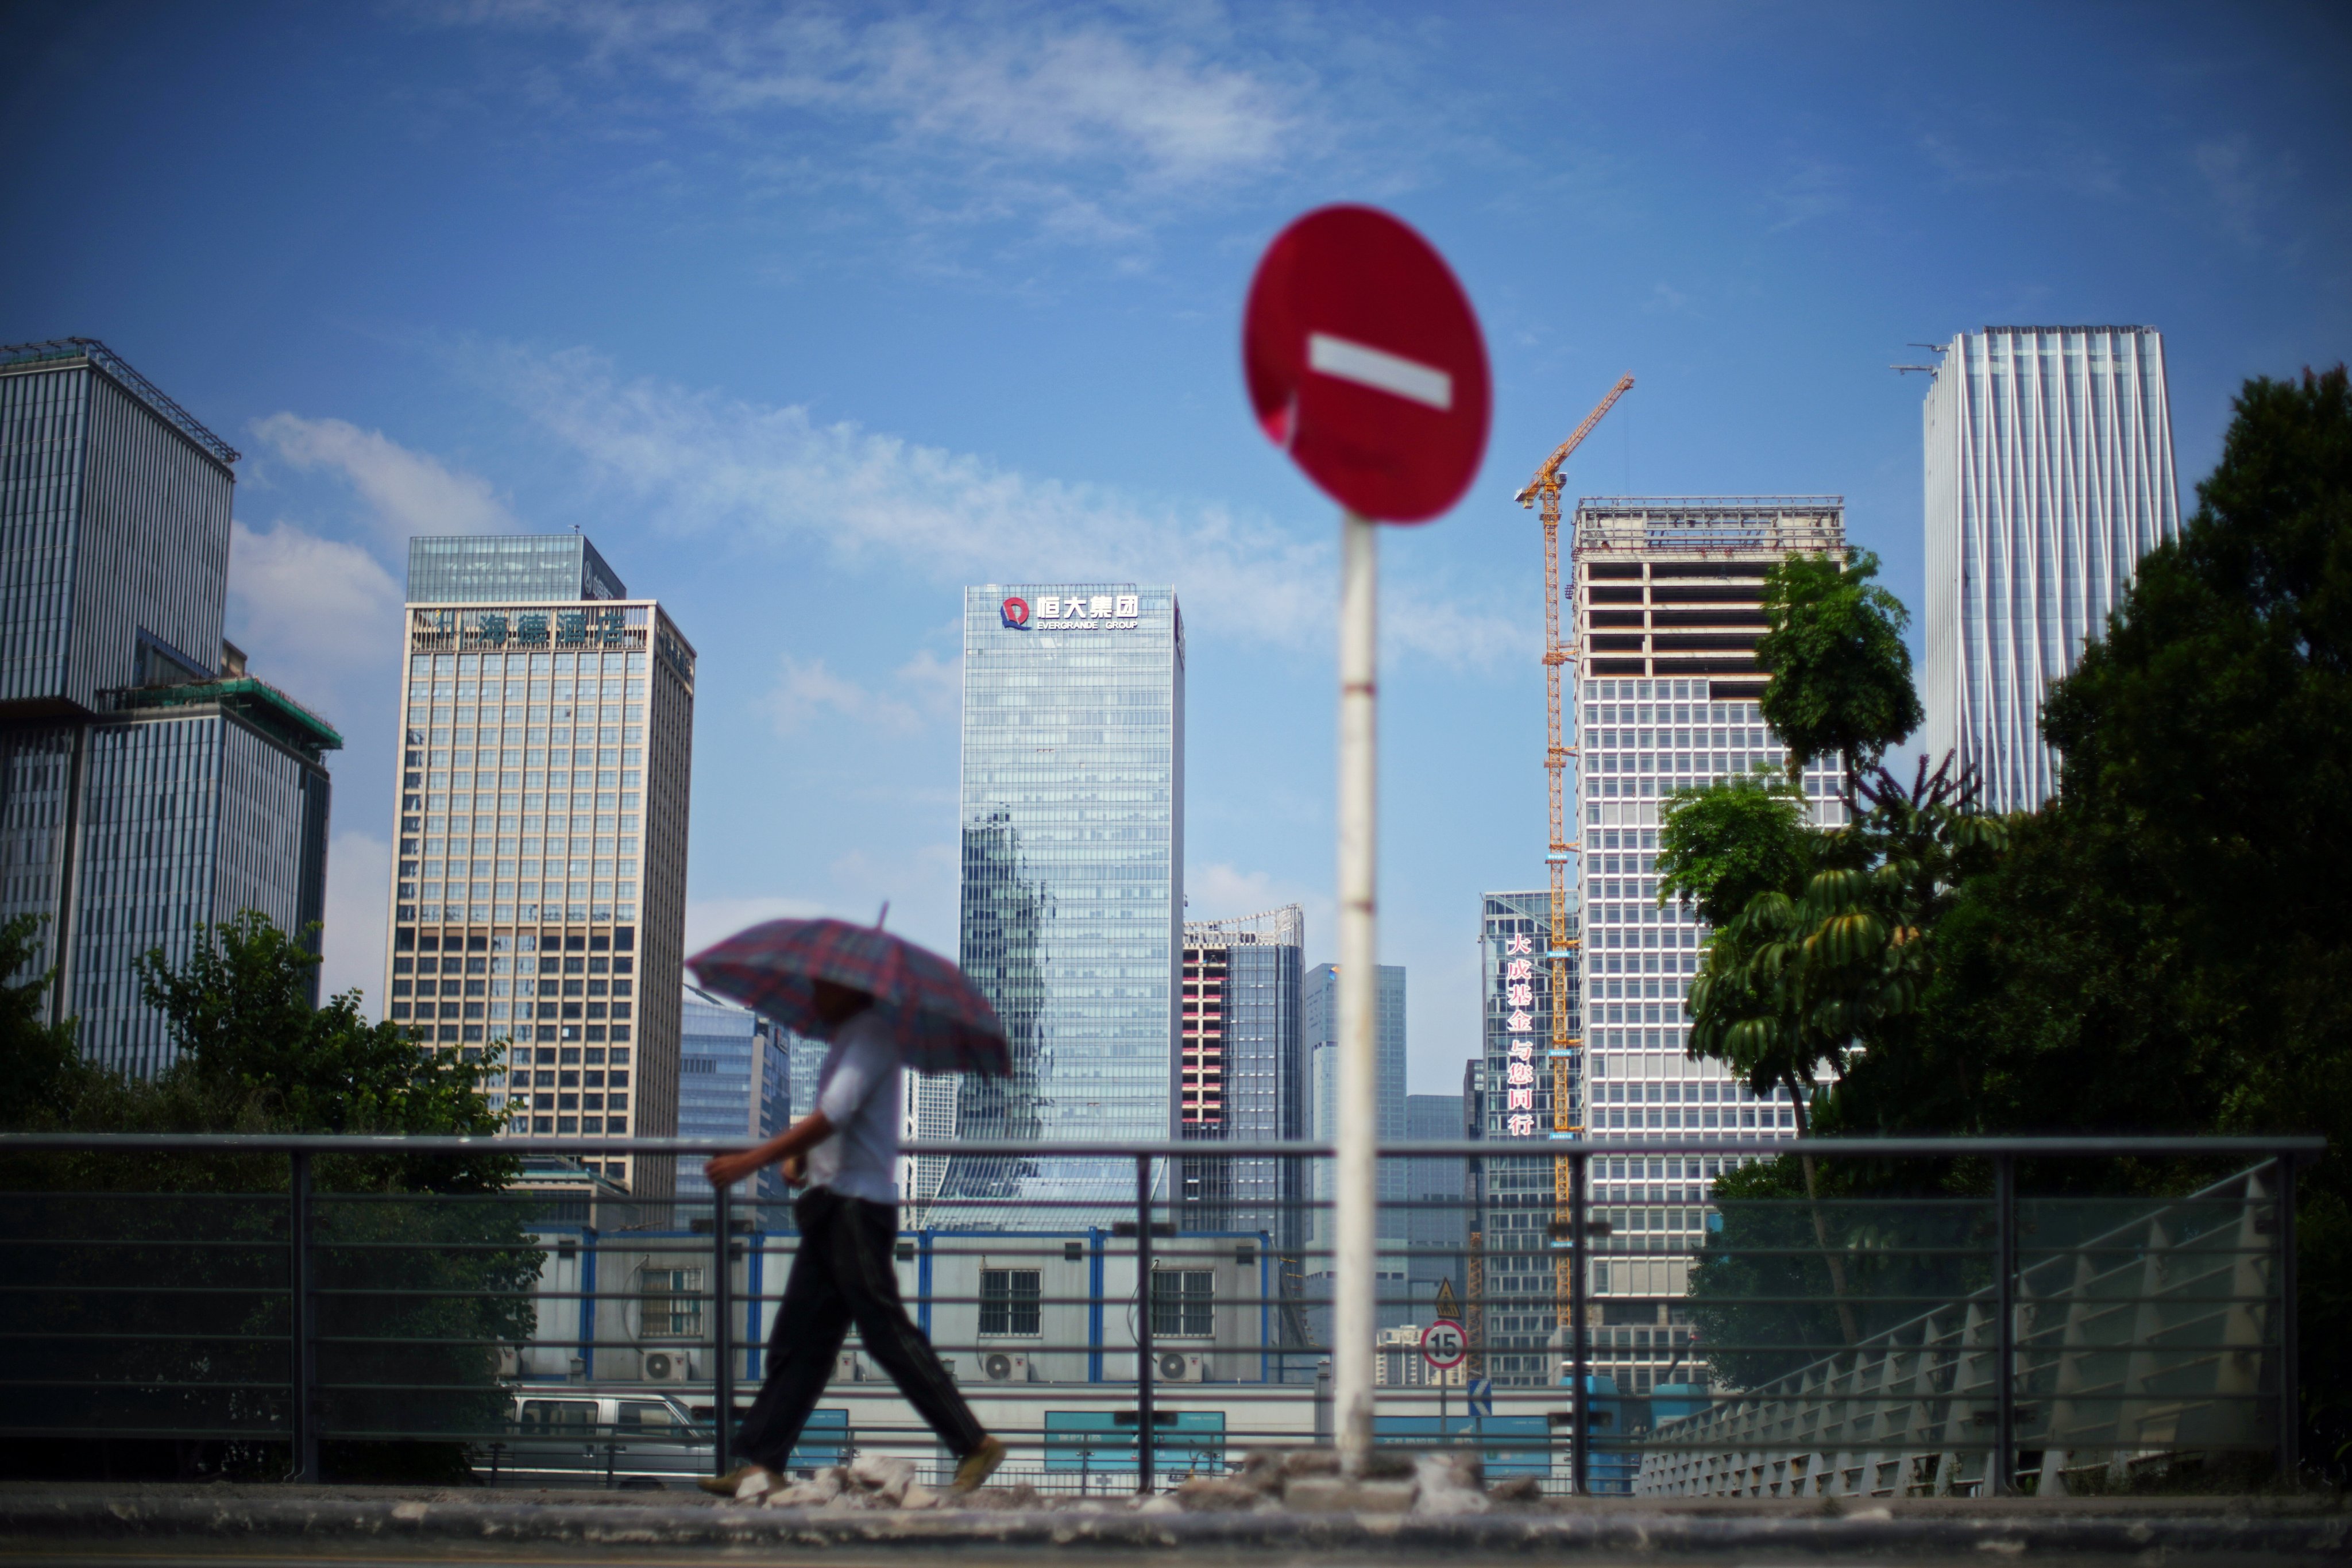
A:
[978,1465]
[732,1482]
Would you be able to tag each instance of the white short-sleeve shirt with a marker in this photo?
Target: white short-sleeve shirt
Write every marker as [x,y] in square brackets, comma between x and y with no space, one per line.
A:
[857,1089]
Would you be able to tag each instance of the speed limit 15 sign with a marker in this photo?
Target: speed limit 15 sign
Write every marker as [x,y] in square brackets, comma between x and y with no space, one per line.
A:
[1444,1344]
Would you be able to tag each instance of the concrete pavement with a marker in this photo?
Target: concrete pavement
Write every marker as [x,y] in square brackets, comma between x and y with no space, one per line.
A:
[126,1523]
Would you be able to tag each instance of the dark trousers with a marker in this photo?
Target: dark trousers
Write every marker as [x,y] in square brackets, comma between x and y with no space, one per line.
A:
[842,1275]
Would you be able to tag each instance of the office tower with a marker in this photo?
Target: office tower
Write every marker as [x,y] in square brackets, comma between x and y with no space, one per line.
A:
[1437,1223]
[1241,1071]
[1513,1284]
[547,735]
[149,784]
[1668,610]
[734,1080]
[1322,1029]
[1072,899]
[2049,474]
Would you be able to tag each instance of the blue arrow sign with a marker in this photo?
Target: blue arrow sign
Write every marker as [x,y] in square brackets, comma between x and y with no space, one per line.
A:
[1482,1396]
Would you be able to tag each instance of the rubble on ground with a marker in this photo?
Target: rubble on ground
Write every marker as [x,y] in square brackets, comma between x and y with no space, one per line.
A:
[1267,1480]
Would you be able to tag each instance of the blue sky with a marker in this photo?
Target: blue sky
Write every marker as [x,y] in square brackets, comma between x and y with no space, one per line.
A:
[811,315]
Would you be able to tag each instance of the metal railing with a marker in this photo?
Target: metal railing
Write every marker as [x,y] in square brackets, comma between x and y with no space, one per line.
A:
[1911,1321]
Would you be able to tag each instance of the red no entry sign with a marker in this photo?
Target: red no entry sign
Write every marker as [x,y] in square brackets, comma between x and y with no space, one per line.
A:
[1366,365]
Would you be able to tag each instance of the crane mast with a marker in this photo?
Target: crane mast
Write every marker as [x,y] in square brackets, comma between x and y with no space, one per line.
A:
[1543,492]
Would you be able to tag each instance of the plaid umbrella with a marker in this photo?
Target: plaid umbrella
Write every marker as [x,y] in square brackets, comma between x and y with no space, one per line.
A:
[942,1021]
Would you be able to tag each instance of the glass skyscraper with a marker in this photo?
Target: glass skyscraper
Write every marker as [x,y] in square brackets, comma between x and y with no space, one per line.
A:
[1072,896]
[149,786]
[2049,474]
[734,1080]
[1322,1019]
[547,733]
[1511,1299]
[1244,1079]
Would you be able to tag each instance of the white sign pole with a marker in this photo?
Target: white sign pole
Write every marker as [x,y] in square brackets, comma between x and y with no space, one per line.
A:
[1355,1268]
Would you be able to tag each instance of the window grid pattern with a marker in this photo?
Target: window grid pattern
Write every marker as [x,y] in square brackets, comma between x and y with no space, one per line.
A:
[545,774]
[1513,1306]
[496,568]
[2049,474]
[734,1081]
[128,831]
[1242,1018]
[1183,1303]
[670,1301]
[1071,896]
[113,524]
[1008,1301]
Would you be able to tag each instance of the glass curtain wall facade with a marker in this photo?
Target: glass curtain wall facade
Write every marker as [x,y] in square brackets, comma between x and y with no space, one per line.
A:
[1512,1285]
[1072,897]
[539,894]
[148,785]
[1244,1079]
[475,568]
[1321,1014]
[2049,474]
[189,814]
[734,1080]
[1437,1225]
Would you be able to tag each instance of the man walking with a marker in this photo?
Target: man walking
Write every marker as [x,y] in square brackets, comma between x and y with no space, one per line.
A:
[846,1152]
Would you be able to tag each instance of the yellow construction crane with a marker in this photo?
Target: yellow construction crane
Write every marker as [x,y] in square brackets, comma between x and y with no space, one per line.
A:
[1543,491]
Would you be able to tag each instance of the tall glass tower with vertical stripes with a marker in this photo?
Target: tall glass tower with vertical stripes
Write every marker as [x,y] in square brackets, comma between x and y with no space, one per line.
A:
[1072,905]
[2049,474]
[149,786]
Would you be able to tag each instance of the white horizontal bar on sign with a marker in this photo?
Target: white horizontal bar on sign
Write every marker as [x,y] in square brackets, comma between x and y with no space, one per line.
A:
[1378,369]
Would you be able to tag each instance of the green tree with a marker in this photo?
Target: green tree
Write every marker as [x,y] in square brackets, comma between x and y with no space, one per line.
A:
[41,1073]
[241,1015]
[1841,675]
[1722,843]
[420,1278]
[2169,944]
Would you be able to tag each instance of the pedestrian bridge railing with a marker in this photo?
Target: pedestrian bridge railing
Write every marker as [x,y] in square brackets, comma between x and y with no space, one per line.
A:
[1677,1315]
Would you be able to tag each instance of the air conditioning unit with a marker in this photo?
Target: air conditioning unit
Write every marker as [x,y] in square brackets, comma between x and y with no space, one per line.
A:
[1181,1366]
[1004,1367]
[668,1366]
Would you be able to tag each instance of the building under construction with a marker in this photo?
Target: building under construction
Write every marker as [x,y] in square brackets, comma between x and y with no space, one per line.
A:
[1668,607]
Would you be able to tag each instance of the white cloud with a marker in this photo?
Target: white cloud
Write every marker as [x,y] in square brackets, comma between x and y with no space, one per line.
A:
[2243,182]
[708,463]
[316,615]
[1220,892]
[359,881]
[918,881]
[807,688]
[407,492]
[934,685]
[709,920]
[1811,189]
[968,87]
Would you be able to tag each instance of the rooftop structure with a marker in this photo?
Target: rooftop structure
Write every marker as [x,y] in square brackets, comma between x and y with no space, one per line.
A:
[65,351]
[2049,474]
